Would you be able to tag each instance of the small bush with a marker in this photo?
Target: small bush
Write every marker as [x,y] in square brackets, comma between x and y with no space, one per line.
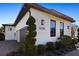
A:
[27,51]
[50,46]
[75,41]
[66,40]
[31,51]
[59,45]
[2,37]
[41,49]
[20,48]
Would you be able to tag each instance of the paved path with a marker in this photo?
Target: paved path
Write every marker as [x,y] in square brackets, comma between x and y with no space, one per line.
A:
[73,53]
[7,46]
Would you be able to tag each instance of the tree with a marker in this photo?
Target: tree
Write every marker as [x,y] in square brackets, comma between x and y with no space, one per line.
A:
[78,34]
[2,33]
[72,33]
[1,29]
[30,48]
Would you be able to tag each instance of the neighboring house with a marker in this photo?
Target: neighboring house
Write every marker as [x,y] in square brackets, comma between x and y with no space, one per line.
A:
[74,31]
[50,24]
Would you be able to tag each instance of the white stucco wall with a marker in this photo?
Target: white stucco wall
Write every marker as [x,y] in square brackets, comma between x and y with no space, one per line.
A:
[21,25]
[9,35]
[43,35]
[17,36]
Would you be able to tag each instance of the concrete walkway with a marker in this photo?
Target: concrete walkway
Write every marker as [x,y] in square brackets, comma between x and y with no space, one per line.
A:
[73,53]
[7,46]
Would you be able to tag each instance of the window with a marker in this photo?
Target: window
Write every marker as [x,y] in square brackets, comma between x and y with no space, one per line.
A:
[61,29]
[52,28]
[10,29]
[67,27]
[42,22]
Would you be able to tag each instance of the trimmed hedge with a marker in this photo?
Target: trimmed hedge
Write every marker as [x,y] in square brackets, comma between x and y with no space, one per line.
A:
[50,46]
[41,49]
[30,48]
[65,40]
[75,41]
[59,45]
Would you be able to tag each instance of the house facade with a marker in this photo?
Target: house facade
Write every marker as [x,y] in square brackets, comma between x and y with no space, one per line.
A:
[50,24]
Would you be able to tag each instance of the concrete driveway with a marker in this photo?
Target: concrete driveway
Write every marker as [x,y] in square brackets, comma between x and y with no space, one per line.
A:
[7,46]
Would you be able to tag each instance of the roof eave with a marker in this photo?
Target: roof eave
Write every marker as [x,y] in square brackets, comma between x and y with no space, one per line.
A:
[8,24]
[27,6]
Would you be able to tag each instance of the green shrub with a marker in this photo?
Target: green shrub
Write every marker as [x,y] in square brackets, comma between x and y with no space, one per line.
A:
[50,46]
[41,49]
[20,48]
[31,51]
[59,45]
[75,41]
[78,38]
[30,48]
[78,34]
[2,37]
[66,40]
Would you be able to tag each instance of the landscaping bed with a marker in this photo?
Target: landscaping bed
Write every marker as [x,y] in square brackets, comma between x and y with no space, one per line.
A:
[59,52]
[56,52]
[59,48]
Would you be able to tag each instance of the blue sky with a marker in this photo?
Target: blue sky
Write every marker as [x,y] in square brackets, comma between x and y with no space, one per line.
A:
[9,12]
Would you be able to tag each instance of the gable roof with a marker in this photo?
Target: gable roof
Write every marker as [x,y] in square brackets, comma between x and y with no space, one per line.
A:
[27,6]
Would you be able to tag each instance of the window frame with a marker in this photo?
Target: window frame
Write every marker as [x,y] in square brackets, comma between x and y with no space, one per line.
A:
[52,35]
[61,29]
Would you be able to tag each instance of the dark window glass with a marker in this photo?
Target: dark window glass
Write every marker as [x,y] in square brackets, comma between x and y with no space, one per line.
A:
[52,28]
[67,27]
[42,22]
[61,29]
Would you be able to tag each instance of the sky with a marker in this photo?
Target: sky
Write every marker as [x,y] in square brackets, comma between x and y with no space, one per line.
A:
[9,12]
